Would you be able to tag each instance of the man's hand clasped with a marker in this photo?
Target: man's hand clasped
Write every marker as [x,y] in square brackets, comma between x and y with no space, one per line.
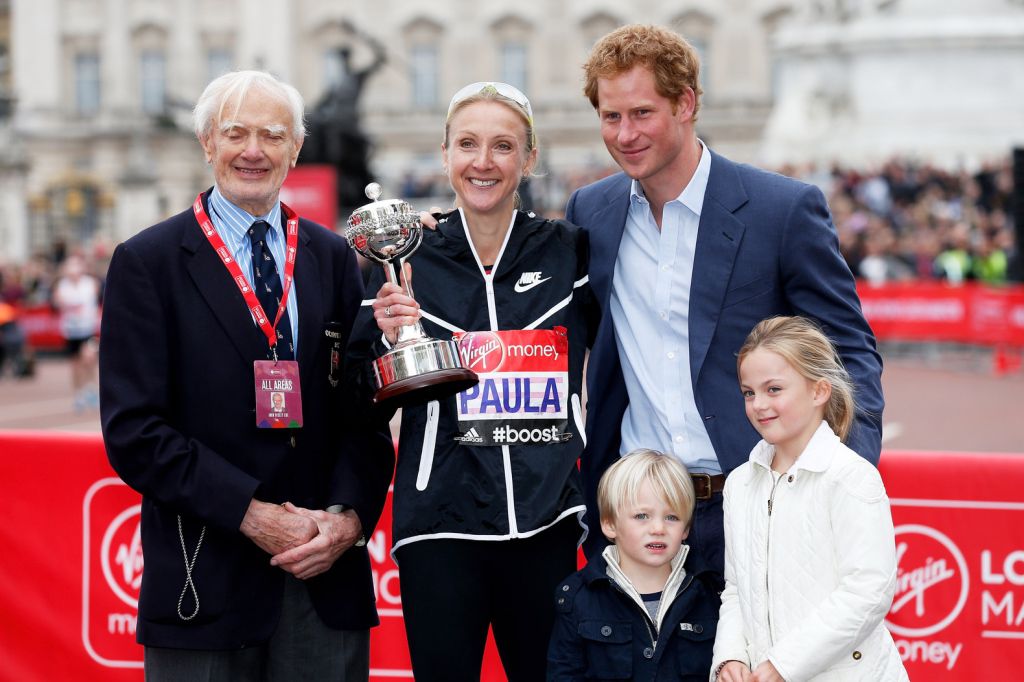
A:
[304,542]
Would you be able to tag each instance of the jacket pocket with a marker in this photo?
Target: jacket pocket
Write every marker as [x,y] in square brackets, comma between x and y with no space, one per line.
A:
[203,593]
[863,660]
[577,418]
[690,649]
[429,445]
[608,646]
[746,291]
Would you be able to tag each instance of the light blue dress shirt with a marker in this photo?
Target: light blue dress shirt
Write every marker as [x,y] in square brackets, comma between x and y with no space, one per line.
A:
[650,303]
[232,224]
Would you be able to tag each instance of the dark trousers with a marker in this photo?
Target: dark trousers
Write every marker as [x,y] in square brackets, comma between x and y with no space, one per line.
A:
[453,589]
[707,534]
[301,648]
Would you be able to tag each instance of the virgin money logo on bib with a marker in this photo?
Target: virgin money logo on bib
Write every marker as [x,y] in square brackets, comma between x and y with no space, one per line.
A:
[523,393]
[482,351]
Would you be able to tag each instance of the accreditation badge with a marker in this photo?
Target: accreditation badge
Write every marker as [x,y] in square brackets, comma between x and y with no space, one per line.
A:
[278,395]
[523,393]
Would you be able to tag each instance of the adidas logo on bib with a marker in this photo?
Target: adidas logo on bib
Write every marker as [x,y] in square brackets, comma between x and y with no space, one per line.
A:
[471,436]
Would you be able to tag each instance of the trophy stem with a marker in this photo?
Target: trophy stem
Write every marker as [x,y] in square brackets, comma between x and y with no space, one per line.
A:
[407,333]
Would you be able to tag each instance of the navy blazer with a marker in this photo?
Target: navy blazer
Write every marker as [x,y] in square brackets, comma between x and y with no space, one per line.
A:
[602,634]
[765,246]
[178,416]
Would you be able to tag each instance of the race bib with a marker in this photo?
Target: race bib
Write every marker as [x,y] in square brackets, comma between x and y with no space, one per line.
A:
[523,393]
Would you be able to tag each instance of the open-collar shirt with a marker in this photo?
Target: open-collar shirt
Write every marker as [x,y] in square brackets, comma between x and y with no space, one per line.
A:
[650,303]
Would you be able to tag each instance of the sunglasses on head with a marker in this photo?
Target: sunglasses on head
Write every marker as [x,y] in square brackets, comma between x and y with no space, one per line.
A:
[503,89]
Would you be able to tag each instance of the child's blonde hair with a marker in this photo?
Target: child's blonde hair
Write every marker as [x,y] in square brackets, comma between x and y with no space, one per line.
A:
[620,485]
[802,344]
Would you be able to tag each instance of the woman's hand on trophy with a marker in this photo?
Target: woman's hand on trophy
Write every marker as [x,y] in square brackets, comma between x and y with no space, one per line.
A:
[393,308]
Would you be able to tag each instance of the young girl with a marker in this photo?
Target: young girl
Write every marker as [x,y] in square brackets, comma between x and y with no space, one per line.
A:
[810,559]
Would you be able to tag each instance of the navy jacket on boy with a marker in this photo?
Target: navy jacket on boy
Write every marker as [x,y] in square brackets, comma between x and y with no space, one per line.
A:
[602,633]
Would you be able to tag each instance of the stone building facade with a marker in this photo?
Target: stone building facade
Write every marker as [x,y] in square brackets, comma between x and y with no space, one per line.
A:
[103,88]
[97,141]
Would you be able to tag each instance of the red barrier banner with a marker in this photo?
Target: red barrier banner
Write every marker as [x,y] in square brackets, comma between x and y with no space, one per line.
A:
[958,612]
[931,311]
[69,584]
[62,619]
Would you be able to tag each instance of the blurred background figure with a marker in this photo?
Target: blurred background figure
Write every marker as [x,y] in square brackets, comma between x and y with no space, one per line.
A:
[14,355]
[881,264]
[955,262]
[12,341]
[76,296]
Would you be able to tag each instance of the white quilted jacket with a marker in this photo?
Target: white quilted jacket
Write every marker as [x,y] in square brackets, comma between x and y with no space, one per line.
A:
[808,585]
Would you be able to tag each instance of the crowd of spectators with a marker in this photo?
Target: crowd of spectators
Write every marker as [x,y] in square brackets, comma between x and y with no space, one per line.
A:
[914,221]
[902,221]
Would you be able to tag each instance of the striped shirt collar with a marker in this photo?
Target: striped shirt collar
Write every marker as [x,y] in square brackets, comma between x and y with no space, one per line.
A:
[234,222]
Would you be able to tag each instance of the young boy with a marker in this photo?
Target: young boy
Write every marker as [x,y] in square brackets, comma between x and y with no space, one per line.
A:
[642,610]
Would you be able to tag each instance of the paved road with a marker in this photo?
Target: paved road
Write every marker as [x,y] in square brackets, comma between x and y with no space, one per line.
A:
[44,402]
[950,401]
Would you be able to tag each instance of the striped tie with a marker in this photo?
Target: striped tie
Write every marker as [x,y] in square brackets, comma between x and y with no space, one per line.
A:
[267,285]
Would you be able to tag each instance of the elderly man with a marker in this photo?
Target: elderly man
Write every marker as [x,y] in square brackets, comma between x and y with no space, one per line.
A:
[253,525]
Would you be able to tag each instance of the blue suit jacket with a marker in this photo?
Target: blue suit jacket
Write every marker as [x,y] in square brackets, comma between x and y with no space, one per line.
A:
[765,246]
[179,425]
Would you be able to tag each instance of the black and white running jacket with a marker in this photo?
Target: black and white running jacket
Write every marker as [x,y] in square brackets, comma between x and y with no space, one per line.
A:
[444,488]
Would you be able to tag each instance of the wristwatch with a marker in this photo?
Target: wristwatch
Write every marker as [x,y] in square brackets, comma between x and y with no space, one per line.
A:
[339,508]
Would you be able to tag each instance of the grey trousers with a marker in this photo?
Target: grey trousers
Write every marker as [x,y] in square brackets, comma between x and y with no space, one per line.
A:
[301,648]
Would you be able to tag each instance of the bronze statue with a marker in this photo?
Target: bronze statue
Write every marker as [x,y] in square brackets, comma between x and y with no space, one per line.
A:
[335,136]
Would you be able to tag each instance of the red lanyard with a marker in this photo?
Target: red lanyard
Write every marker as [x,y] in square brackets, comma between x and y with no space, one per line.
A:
[241,280]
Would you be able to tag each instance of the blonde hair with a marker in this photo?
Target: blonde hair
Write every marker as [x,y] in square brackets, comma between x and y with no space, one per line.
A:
[492,95]
[802,344]
[620,485]
[673,61]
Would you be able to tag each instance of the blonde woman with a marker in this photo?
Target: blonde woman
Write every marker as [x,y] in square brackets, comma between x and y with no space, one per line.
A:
[487,496]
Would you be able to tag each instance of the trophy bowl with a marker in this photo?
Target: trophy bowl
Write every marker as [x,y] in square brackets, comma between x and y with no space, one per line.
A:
[418,368]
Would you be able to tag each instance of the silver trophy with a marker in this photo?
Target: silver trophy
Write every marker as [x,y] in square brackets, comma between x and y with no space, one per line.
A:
[417,368]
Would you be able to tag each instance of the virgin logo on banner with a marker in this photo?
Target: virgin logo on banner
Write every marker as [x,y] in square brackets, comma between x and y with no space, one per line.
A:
[111,573]
[959,599]
[112,576]
[933,581]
